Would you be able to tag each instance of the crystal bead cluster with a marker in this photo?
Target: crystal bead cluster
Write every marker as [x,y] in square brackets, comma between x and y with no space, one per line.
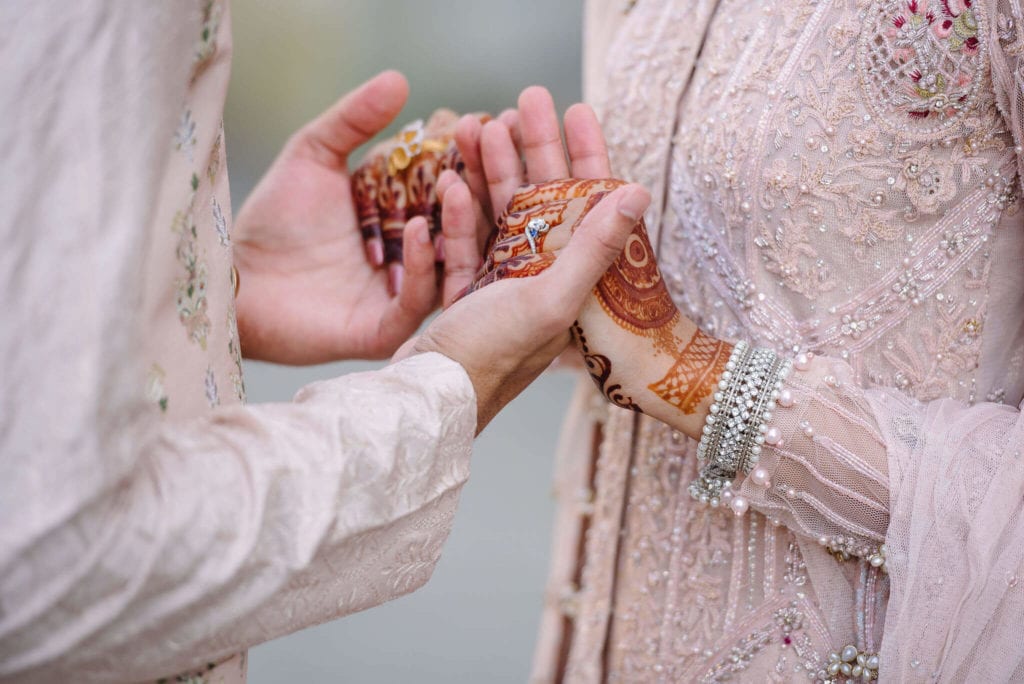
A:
[737,423]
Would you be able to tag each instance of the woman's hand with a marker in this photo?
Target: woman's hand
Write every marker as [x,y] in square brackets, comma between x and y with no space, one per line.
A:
[641,351]
[307,293]
[505,334]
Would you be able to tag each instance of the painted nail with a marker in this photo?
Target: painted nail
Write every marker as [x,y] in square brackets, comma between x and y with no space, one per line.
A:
[375,250]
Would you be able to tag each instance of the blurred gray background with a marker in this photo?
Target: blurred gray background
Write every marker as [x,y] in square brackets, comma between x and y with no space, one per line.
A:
[476,619]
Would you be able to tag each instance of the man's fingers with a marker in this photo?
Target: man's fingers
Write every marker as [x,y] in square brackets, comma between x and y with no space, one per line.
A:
[542,138]
[588,154]
[502,166]
[467,139]
[417,291]
[484,225]
[510,117]
[357,117]
[461,253]
[598,241]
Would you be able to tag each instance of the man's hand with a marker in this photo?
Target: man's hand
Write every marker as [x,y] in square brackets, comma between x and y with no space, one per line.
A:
[307,293]
[517,319]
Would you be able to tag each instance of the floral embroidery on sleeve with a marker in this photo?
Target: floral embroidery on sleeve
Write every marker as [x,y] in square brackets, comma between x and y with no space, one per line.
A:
[213,168]
[220,223]
[191,290]
[185,134]
[206,46]
[235,349]
[212,396]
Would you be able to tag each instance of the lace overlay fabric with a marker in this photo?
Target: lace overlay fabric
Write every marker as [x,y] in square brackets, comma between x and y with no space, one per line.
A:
[838,177]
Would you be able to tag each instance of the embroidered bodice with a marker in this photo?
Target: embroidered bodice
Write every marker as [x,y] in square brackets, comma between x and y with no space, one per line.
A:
[834,176]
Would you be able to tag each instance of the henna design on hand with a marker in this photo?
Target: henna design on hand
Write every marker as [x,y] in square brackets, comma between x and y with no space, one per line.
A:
[633,291]
[421,185]
[398,181]
[393,200]
[365,186]
[695,373]
[543,193]
[600,369]
[634,295]
[523,266]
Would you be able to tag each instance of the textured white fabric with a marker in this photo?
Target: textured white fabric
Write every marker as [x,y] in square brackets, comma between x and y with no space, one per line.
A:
[146,525]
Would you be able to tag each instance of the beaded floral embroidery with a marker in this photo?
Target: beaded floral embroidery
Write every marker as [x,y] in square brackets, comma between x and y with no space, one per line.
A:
[922,61]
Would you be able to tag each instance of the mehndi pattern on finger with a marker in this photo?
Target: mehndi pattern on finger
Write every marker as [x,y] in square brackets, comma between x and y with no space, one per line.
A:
[523,266]
[393,200]
[365,187]
[543,193]
[398,181]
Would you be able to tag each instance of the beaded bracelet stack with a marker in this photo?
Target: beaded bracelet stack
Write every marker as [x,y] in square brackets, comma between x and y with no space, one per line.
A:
[734,431]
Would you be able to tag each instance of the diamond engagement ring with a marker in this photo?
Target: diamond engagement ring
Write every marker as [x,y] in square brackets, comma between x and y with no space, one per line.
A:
[534,229]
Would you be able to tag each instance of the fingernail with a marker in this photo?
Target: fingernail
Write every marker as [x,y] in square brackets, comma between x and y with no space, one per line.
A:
[376,250]
[633,205]
[396,273]
[423,234]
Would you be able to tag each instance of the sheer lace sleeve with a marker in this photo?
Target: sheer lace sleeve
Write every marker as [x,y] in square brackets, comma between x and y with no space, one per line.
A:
[828,476]
[941,484]
[1007,47]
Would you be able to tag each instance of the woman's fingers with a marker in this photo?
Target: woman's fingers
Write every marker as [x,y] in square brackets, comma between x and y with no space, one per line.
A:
[392,199]
[523,266]
[461,251]
[542,138]
[421,188]
[365,188]
[502,166]
[588,154]
[532,195]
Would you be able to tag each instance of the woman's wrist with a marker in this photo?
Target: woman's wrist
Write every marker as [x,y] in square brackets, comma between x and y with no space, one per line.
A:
[736,427]
[684,382]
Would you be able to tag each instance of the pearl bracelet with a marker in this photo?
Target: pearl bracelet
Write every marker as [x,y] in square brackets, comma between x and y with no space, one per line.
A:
[734,431]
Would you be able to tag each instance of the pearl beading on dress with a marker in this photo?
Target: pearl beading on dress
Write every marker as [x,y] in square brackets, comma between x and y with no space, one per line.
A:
[735,430]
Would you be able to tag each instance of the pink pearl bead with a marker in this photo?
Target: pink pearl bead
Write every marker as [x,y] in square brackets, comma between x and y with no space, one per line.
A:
[773,436]
[809,431]
[759,476]
[739,505]
[786,398]
[727,496]
[801,362]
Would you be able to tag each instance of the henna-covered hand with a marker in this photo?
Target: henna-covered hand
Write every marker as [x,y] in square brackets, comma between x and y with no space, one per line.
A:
[400,180]
[642,352]
[510,330]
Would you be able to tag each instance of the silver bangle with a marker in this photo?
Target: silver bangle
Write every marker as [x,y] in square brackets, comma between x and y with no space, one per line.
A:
[733,433]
